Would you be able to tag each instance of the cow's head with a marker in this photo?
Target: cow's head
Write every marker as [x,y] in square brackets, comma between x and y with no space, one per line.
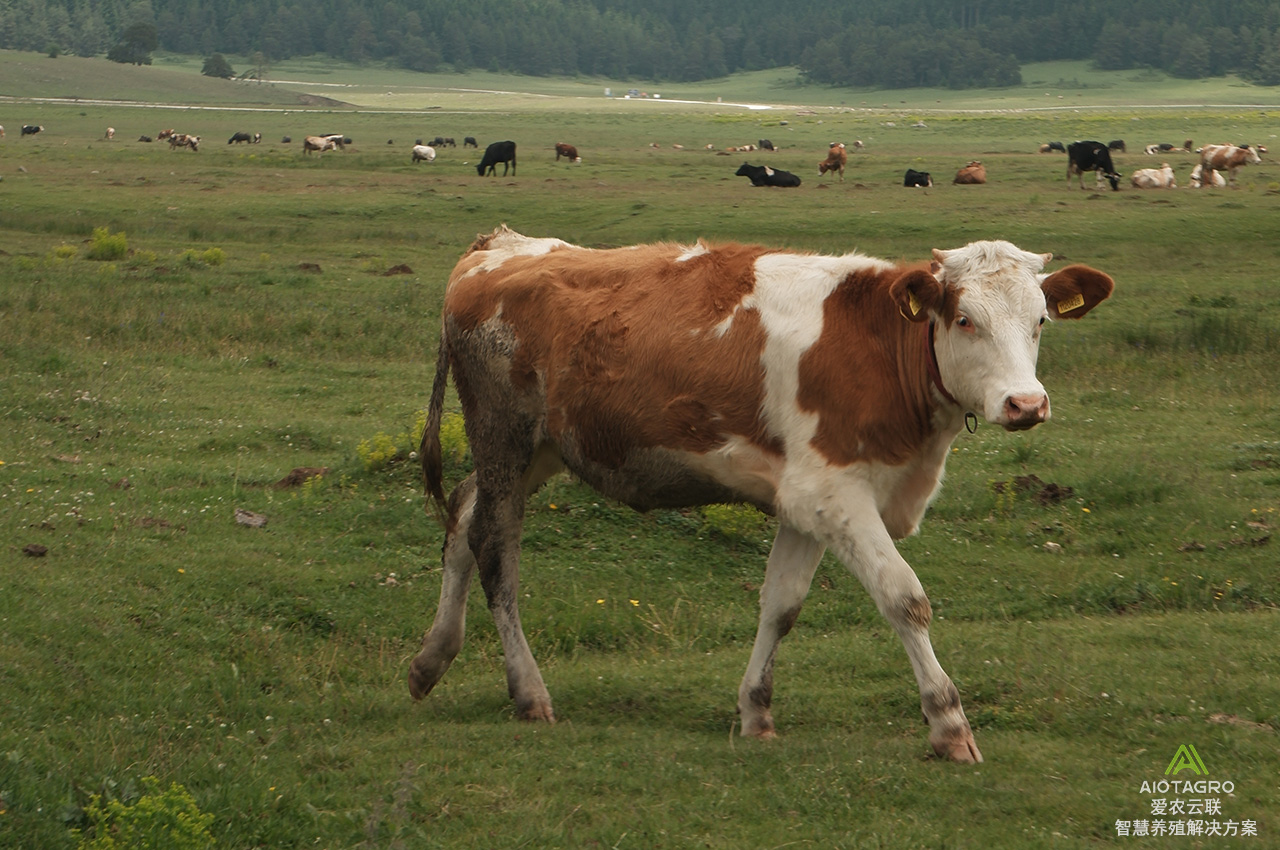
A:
[988,302]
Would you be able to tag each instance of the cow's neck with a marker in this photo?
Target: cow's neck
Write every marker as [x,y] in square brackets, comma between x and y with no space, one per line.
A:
[931,360]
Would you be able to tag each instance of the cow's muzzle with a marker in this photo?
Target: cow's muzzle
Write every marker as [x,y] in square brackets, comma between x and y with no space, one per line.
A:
[1025,411]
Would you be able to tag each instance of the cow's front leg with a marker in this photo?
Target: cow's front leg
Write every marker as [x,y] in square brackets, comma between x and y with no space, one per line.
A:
[792,561]
[859,538]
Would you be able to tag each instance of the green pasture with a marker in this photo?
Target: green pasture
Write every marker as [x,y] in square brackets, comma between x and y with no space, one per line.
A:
[179,331]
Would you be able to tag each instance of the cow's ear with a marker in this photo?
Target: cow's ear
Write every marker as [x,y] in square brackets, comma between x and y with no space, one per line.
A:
[918,295]
[1075,290]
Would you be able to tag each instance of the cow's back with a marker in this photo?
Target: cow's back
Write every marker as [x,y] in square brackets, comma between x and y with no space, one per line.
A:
[629,361]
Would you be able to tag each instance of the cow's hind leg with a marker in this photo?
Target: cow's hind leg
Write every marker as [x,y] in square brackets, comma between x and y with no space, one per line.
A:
[495,539]
[444,639]
[787,577]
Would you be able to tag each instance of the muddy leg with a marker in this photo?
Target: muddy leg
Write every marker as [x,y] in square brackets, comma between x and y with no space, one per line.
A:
[792,561]
[444,639]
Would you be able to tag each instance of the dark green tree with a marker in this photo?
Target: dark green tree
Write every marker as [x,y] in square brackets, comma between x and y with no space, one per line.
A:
[135,46]
[218,66]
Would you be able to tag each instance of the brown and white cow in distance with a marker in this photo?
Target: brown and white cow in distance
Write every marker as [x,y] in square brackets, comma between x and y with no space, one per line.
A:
[1228,158]
[825,390]
[973,174]
[320,144]
[1154,178]
[837,159]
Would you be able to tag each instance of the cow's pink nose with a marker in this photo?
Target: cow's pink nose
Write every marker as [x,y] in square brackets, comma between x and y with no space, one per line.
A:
[1024,411]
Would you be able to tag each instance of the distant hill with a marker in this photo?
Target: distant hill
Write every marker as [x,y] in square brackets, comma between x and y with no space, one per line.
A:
[878,43]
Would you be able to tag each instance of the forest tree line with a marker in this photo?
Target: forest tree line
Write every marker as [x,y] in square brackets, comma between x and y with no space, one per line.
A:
[871,43]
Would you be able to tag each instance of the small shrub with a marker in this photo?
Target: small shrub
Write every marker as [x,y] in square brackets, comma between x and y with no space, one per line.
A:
[104,245]
[213,257]
[453,437]
[378,453]
[168,820]
[143,258]
[64,251]
[733,520]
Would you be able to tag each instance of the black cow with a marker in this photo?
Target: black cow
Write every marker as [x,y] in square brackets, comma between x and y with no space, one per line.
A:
[763,175]
[144,138]
[1091,156]
[286,140]
[1116,145]
[766,145]
[470,142]
[31,129]
[240,137]
[915,179]
[1057,146]
[498,152]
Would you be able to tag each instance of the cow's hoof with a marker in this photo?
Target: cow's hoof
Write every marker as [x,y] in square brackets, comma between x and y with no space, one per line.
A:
[424,672]
[536,712]
[760,727]
[959,747]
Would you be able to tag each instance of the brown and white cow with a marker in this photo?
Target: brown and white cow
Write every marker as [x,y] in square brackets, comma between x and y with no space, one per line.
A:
[1228,158]
[1198,181]
[975,173]
[837,159]
[568,151]
[1154,178]
[183,140]
[320,144]
[825,390]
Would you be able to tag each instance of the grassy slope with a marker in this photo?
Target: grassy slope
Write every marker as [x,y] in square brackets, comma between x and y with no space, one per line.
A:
[264,670]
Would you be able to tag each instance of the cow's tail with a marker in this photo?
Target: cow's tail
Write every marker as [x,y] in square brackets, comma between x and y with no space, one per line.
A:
[429,452]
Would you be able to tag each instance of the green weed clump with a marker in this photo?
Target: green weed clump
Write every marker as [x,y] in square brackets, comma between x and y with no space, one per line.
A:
[453,437]
[105,245]
[207,257]
[168,820]
[382,450]
[733,520]
[378,452]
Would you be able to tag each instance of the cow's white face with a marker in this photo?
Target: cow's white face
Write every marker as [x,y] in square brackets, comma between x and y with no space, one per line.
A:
[987,350]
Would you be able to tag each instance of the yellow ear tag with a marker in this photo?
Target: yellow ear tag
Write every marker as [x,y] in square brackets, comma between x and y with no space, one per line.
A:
[914,303]
[1075,302]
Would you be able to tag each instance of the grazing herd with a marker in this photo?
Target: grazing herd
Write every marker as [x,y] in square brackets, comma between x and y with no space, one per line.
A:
[1214,159]
[1218,164]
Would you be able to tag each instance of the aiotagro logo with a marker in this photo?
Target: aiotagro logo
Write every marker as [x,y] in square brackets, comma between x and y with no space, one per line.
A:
[1186,758]
[1179,807]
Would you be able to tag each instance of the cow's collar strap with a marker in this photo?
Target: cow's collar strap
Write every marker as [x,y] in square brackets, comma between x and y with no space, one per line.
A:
[935,375]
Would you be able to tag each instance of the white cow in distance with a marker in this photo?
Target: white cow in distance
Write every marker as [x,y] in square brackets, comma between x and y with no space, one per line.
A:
[1154,178]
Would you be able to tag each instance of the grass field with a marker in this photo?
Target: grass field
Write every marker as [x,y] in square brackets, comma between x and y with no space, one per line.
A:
[179,331]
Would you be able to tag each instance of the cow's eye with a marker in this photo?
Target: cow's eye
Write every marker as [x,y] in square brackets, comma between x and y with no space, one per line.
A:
[1042,319]
[964,322]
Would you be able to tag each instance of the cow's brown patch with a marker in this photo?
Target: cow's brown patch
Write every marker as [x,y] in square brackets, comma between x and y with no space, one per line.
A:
[867,376]
[940,702]
[917,611]
[625,345]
